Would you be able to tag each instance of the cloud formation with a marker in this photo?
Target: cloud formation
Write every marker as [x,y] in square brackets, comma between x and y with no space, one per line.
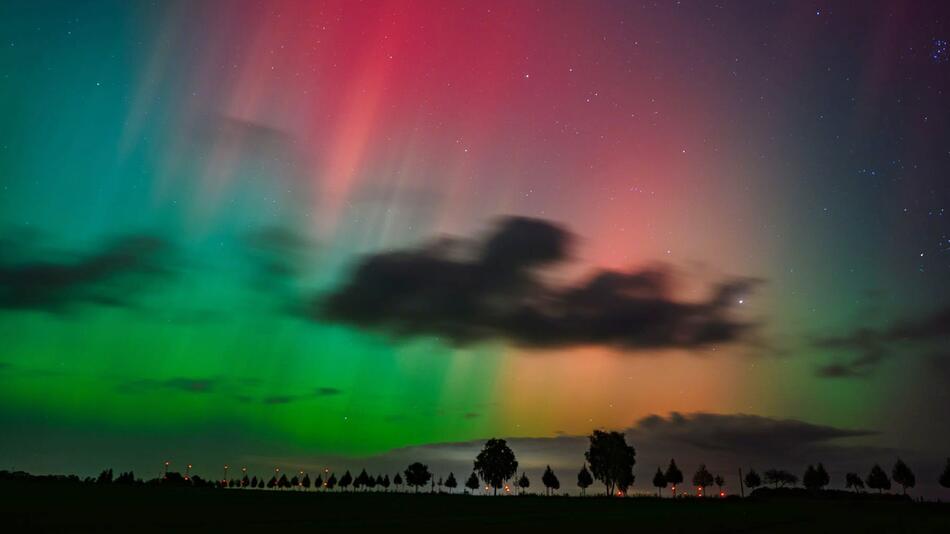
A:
[871,346]
[109,276]
[316,393]
[468,291]
[182,384]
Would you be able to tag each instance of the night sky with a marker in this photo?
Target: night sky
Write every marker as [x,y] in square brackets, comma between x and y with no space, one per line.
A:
[307,233]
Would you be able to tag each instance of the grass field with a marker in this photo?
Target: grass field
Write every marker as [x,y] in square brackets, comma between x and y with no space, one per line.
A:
[65,507]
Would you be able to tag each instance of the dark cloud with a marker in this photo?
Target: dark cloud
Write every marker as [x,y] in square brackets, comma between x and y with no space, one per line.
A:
[280,252]
[871,346]
[470,291]
[316,393]
[109,277]
[186,385]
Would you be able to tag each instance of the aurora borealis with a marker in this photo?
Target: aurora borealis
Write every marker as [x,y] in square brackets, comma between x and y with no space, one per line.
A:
[184,186]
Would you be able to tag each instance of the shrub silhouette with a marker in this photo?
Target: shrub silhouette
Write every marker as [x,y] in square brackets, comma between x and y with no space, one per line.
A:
[584,479]
[611,460]
[659,481]
[496,463]
[903,476]
[752,479]
[673,476]
[417,475]
[550,481]
[877,479]
[702,478]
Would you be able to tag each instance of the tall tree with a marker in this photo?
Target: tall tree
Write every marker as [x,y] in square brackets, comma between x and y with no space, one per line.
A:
[752,479]
[294,482]
[945,476]
[877,479]
[397,481]
[451,483]
[523,482]
[673,476]
[331,482]
[282,482]
[346,480]
[853,481]
[417,475]
[584,479]
[903,476]
[659,481]
[550,481]
[611,459]
[702,478]
[496,463]
[472,482]
[254,482]
[318,482]
[810,478]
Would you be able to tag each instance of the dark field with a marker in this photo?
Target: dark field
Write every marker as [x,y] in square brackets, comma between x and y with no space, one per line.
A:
[67,507]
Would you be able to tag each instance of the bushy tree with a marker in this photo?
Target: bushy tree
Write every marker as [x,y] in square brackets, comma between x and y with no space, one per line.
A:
[779,478]
[550,481]
[853,481]
[345,480]
[702,478]
[105,477]
[397,481]
[496,463]
[417,475]
[752,479]
[584,479]
[945,476]
[815,479]
[472,482]
[719,482]
[673,476]
[451,483]
[611,460]
[903,476]
[659,481]
[523,482]
[877,479]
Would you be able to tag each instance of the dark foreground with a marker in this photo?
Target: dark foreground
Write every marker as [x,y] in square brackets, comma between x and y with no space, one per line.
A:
[31,507]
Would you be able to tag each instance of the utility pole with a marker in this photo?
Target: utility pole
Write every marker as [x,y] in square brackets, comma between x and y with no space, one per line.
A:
[741,486]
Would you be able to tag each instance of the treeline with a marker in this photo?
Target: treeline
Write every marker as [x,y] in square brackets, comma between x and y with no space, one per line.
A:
[608,460]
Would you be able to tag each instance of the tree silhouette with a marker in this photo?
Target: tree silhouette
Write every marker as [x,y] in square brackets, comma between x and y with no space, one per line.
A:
[318,482]
[245,482]
[673,476]
[472,482]
[611,460]
[397,481]
[360,480]
[752,479]
[496,463]
[853,481]
[719,481]
[903,476]
[780,477]
[945,476]
[331,482]
[382,482]
[346,480]
[370,482]
[584,479]
[417,475]
[125,478]
[105,477]
[815,479]
[523,482]
[294,482]
[254,482]
[702,478]
[440,483]
[451,483]
[550,481]
[260,483]
[659,481]
[877,479]
[282,482]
